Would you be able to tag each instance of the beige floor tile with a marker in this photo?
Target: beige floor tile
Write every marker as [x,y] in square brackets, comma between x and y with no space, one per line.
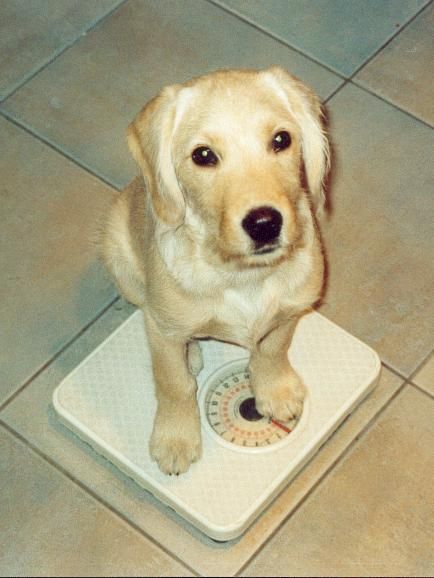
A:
[51,284]
[84,101]
[32,416]
[424,378]
[373,516]
[50,527]
[379,236]
[401,72]
[32,33]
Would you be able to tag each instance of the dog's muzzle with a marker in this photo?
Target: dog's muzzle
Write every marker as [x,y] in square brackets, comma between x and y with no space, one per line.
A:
[263,226]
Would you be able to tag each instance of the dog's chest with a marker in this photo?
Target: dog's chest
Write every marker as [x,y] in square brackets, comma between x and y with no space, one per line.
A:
[247,313]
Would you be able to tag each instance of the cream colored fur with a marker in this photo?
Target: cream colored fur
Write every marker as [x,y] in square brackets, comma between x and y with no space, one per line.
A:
[175,244]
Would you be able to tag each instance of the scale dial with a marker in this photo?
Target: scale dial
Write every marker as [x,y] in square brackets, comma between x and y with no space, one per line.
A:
[231,414]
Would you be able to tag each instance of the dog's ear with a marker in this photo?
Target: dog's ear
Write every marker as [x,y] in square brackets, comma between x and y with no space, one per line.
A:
[305,107]
[150,138]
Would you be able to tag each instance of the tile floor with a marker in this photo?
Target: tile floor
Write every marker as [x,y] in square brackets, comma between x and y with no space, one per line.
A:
[72,75]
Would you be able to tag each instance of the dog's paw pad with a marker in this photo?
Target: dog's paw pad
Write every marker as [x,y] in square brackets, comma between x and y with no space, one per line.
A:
[176,456]
[283,403]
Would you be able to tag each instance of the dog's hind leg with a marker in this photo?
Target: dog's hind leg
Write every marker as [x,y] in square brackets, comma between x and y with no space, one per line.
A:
[118,254]
[195,359]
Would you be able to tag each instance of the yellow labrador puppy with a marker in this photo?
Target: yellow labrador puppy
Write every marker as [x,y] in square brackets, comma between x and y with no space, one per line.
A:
[217,237]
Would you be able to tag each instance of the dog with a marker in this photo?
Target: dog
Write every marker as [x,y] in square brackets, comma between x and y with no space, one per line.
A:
[218,238]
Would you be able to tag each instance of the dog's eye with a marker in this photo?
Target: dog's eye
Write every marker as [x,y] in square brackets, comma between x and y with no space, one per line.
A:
[204,156]
[281,141]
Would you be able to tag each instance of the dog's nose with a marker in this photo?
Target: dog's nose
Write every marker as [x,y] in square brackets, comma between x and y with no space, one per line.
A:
[263,225]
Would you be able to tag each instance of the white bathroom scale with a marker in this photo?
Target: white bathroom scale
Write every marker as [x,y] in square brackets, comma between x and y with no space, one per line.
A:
[247,460]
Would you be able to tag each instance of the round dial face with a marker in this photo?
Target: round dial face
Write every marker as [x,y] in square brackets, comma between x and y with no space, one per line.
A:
[231,412]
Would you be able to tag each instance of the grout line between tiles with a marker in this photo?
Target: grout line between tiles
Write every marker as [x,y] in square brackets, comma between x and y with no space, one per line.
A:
[392,104]
[117,187]
[421,364]
[322,479]
[62,50]
[394,371]
[140,531]
[256,26]
[389,40]
[409,379]
[416,371]
[420,389]
[91,493]
[58,150]
[352,80]
[346,79]
[336,90]
[53,358]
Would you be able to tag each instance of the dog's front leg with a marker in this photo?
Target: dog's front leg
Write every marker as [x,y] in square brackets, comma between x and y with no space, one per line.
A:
[278,390]
[175,441]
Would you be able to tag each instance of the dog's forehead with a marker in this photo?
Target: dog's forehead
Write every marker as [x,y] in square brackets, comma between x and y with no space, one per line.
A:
[229,103]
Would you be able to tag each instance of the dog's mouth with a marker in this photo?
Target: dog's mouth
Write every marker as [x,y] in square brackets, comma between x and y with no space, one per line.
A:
[266,250]
[264,256]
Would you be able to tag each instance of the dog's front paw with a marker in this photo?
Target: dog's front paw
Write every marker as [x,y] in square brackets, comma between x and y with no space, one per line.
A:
[281,400]
[176,441]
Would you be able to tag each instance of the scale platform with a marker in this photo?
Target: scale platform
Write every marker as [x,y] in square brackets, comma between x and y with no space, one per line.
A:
[247,460]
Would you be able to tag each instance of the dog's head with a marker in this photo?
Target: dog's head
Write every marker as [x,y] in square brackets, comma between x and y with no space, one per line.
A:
[229,153]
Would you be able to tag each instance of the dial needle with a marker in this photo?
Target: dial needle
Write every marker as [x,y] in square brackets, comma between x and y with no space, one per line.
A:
[278,424]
